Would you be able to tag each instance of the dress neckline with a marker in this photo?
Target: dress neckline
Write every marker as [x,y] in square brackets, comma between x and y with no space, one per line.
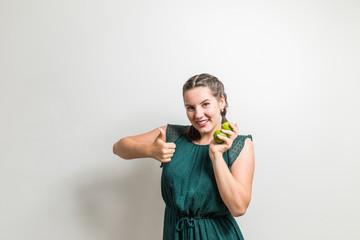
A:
[206,145]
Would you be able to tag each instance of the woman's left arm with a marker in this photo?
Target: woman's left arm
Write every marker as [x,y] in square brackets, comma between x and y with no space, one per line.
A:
[235,186]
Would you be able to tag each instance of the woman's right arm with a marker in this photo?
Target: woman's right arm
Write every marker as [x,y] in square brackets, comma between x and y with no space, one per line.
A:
[151,144]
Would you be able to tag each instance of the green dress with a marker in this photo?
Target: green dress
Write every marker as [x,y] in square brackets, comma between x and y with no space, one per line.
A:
[194,208]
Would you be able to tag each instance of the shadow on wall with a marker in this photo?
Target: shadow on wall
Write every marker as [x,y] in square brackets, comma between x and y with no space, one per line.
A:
[113,205]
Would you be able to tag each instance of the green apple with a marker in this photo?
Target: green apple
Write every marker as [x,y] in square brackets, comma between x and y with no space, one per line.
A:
[218,140]
[226,126]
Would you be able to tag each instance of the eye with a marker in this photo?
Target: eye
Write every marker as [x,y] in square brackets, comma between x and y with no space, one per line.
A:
[189,108]
[205,104]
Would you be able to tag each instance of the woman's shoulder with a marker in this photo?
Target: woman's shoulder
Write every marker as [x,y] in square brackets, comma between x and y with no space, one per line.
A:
[240,141]
[244,136]
[238,145]
[174,131]
[177,126]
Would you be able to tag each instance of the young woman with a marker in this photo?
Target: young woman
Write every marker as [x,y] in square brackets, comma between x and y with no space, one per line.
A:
[204,184]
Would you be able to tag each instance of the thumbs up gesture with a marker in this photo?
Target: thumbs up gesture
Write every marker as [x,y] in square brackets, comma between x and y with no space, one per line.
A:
[161,150]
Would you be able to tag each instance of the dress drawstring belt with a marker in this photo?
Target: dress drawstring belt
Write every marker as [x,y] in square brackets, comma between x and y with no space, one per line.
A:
[184,224]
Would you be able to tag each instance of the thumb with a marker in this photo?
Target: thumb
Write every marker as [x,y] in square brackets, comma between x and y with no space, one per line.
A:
[161,134]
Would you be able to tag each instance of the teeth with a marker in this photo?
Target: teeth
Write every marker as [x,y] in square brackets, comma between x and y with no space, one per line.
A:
[203,121]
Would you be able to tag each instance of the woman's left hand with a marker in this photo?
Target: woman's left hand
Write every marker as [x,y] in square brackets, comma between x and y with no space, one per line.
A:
[219,148]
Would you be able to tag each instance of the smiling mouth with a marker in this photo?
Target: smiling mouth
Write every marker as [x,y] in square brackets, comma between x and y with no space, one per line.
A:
[202,123]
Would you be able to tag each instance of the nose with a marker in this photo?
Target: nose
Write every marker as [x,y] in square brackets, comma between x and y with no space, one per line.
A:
[199,113]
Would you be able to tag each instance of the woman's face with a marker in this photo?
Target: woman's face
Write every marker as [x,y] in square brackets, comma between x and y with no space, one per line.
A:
[203,109]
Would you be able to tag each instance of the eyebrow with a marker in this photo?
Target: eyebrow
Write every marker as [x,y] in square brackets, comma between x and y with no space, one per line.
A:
[201,102]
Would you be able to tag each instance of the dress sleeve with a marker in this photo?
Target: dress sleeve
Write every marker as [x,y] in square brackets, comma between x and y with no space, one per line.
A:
[236,148]
[173,132]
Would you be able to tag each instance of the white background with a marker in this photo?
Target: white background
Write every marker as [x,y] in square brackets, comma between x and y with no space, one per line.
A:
[76,76]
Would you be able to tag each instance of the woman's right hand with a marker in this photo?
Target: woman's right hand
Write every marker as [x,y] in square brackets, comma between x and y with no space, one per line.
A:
[161,150]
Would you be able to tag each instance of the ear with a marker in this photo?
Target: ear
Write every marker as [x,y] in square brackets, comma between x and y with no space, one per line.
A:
[222,102]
